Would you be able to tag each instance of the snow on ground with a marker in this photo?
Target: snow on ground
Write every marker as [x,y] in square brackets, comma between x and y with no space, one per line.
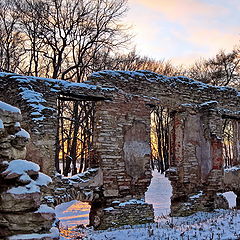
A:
[54,233]
[221,224]
[159,194]
[73,213]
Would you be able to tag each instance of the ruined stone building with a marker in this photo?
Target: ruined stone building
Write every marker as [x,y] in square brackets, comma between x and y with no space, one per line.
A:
[124,100]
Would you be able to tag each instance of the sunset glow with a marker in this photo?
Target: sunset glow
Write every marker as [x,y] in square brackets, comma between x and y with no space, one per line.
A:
[185,30]
[73,213]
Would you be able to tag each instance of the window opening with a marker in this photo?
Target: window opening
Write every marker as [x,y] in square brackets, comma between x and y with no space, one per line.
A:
[160,120]
[228,143]
[75,135]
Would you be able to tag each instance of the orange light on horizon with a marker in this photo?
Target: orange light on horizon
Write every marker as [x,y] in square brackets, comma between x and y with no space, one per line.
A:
[78,206]
[73,217]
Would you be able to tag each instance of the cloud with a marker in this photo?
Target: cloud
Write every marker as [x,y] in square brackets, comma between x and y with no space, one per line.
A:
[201,43]
[184,30]
[183,10]
[214,38]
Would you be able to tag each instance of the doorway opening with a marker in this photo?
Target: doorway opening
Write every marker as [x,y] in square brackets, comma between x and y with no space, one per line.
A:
[231,142]
[160,190]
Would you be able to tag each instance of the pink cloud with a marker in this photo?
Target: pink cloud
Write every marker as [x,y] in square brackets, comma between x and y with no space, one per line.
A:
[182,10]
[184,30]
[214,38]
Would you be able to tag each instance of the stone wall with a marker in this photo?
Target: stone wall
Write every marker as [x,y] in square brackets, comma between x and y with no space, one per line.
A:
[166,91]
[37,99]
[122,134]
[84,187]
[122,144]
[196,136]
[21,211]
[196,159]
[131,212]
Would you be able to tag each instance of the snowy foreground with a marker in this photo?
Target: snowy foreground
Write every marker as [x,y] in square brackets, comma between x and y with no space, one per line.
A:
[218,225]
[221,224]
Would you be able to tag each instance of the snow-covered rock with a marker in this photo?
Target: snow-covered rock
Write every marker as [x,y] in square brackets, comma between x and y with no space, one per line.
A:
[21,211]
[21,183]
[23,133]
[9,108]
[20,167]
[13,138]
[9,114]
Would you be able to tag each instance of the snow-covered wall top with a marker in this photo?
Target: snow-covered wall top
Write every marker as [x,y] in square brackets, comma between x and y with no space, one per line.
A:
[37,99]
[55,84]
[115,77]
[175,90]
[38,92]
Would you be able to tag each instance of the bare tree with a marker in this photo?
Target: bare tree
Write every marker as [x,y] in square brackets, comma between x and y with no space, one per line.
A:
[221,70]
[65,36]
[160,138]
[132,61]
[11,40]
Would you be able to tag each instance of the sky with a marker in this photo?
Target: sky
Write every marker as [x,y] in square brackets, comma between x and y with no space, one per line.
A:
[184,30]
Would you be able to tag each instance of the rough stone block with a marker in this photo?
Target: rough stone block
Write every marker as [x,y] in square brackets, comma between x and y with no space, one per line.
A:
[19,202]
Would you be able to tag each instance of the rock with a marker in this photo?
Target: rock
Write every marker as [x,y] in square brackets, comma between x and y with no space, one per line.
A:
[9,114]
[24,179]
[23,223]
[20,167]
[19,202]
[220,202]
[111,193]
[21,183]
[19,142]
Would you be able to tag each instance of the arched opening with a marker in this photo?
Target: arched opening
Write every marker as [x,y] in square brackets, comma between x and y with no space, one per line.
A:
[231,198]
[73,216]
